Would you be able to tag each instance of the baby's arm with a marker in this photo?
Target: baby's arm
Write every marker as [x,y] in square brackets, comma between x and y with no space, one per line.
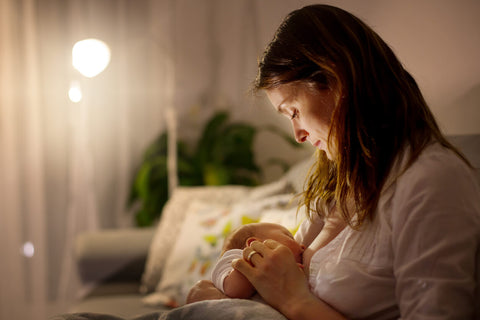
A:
[230,281]
[236,285]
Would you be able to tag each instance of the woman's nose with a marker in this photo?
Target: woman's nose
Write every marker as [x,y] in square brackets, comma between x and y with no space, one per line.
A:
[300,134]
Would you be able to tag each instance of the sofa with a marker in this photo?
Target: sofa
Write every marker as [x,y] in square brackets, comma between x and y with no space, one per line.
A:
[133,273]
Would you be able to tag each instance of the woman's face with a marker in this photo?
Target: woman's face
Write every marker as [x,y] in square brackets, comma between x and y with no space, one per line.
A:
[309,110]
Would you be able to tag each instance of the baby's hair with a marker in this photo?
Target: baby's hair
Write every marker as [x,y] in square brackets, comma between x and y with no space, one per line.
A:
[237,239]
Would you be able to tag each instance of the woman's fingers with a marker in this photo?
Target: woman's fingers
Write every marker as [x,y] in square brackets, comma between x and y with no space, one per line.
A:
[273,272]
[249,254]
[265,246]
[271,244]
[244,267]
[257,250]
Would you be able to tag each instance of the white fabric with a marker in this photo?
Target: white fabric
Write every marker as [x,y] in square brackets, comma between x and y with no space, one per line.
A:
[417,258]
[223,267]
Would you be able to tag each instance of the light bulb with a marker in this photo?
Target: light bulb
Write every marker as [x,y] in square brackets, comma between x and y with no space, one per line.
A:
[75,93]
[28,249]
[90,57]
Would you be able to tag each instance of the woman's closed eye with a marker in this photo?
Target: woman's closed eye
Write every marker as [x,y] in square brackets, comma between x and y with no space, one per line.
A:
[294,114]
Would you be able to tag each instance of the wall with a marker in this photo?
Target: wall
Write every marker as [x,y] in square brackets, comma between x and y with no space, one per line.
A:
[436,40]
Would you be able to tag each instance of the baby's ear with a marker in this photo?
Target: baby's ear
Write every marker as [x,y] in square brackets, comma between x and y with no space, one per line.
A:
[250,240]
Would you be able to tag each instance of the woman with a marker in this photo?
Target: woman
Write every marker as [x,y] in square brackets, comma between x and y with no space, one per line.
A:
[394,213]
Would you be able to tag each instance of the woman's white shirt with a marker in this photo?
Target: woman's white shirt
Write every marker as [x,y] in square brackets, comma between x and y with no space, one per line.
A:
[418,258]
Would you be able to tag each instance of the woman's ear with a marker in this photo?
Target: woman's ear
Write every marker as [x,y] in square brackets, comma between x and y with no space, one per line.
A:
[250,240]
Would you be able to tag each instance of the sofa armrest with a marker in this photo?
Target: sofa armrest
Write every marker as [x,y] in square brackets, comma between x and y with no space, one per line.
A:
[115,253]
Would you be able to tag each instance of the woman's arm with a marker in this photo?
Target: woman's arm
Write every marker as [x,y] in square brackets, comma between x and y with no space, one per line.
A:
[276,276]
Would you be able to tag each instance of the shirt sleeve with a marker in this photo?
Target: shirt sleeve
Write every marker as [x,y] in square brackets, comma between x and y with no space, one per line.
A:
[309,230]
[223,267]
[435,239]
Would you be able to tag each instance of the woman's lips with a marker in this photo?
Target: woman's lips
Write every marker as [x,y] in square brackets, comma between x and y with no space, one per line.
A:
[317,144]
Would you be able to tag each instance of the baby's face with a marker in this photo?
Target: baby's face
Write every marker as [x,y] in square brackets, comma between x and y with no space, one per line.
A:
[283,236]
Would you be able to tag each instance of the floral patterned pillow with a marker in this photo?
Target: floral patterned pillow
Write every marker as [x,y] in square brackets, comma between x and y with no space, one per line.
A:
[200,240]
[171,222]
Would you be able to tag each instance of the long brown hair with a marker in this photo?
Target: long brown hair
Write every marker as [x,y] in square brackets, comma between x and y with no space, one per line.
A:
[380,109]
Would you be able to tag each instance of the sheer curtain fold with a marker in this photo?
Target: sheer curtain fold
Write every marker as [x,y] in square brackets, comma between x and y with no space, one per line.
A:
[82,211]
[34,166]
[123,129]
[66,168]
[23,273]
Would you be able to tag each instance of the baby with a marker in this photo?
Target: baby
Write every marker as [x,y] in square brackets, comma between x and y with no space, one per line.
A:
[230,281]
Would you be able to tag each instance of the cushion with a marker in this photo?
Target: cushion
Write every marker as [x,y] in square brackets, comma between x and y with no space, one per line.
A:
[295,176]
[174,212]
[231,309]
[171,221]
[201,238]
[123,306]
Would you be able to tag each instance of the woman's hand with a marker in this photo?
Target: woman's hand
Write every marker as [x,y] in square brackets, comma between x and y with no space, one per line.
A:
[275,274]
[204,290]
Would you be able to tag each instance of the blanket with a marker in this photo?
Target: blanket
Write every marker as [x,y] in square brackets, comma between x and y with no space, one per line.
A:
[232,309]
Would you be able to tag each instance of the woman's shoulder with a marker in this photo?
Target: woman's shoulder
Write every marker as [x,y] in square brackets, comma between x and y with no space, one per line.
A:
[438,182]
[438,166]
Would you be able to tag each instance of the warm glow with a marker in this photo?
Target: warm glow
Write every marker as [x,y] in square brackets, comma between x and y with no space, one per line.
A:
[28,250]
[75,93]
[90,57]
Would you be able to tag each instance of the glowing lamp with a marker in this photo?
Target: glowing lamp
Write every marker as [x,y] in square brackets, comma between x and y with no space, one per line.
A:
[75,92]
[90,57]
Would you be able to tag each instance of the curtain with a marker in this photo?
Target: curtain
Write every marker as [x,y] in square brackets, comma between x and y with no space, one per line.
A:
[65,167]
[22,278]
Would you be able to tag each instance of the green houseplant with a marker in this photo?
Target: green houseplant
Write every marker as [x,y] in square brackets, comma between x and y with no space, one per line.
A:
[223,155]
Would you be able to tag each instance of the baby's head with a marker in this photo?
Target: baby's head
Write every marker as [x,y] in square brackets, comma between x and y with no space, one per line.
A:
[244,235]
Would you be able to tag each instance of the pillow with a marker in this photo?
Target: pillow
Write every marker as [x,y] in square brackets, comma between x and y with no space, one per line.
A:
[171,222]
[296,175]
[289,217]
[280,186]
[201,237]
[198,245]
[174,213]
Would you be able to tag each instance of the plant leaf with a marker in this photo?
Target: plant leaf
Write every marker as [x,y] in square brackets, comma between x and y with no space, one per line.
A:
[209,135]
[142,181]
[215,175]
